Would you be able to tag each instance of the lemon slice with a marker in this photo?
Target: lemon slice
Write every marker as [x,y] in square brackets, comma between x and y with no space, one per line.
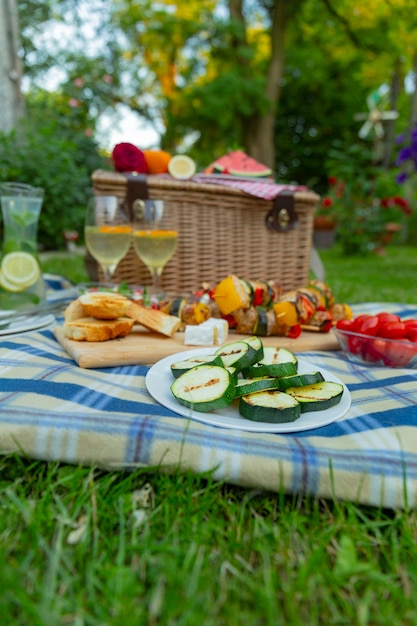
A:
[9,286]
[181,166]
[19,270]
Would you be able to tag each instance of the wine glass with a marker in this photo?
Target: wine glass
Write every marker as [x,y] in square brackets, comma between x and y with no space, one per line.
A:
[107,233]
[154,240]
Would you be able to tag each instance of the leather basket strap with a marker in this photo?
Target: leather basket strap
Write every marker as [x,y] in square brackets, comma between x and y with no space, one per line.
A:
[136,189]
[282,216]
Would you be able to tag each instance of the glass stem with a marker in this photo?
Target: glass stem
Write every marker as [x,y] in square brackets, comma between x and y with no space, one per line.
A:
[156,279]
[107,273]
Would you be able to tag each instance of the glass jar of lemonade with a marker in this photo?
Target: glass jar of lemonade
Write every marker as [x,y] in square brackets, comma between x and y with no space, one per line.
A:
[21,281]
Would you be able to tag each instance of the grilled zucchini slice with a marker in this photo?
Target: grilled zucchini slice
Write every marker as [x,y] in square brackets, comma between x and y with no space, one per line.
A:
[274,406]
[179,367]
[275,362]
[317,397]
[245,386]
[239,354]
[204,388]
[299,380]
[257,345]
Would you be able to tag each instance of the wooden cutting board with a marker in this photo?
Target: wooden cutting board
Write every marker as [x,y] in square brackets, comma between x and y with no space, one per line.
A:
[142,347]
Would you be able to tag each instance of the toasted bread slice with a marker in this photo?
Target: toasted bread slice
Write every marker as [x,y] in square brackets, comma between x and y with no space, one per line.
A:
[91,329]
[153,319]
[105,305]
[74,311]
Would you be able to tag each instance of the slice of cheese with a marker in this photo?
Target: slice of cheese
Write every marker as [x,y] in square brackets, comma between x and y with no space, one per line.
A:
[221,329]
[199,335]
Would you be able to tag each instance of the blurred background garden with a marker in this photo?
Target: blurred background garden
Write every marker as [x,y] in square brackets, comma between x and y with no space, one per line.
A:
[323,92]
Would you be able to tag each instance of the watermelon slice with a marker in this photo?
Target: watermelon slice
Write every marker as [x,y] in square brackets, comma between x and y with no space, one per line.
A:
[237,163]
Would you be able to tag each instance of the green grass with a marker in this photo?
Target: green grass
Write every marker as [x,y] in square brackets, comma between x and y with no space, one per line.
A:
[205,553]
[70,265]
[353,279]
[391,278]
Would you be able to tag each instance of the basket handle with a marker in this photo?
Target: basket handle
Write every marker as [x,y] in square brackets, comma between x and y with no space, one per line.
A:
[136,191]
[282,216]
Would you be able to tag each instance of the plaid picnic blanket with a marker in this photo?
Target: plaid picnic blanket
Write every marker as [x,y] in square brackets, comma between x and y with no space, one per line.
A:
[51,409]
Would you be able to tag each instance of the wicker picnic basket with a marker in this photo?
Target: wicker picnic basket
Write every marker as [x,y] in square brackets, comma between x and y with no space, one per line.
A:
[221,231]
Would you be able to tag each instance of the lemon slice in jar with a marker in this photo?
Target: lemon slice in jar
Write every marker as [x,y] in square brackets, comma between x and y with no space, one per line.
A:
[19,270]
[181,166]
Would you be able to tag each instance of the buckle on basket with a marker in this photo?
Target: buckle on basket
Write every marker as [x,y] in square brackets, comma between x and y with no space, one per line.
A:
[136,193]
[282,216]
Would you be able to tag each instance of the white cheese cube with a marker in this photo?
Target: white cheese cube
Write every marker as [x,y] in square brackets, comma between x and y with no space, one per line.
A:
[221,329]
[199,335]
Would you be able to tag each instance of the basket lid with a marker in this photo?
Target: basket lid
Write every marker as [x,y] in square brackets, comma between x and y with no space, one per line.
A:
[105,180]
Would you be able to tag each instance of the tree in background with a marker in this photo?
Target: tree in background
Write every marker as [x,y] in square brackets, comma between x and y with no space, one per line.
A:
[278,79]
[52,144]
[216,69]
[281,80]
[10,69]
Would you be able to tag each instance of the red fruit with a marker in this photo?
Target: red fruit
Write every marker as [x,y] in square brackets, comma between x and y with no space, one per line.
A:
[388,317]
[392,330]
[356,345]
[238,163]
[412,334]
[345,325]
[128,158]
[375,350]
[399,354]
[368,326]
[358,321]
[410,323]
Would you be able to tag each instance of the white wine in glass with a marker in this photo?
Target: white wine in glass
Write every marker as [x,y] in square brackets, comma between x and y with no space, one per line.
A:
[154,240]
[107,233]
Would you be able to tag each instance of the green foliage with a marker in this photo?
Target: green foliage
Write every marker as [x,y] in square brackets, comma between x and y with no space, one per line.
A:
[363,199]
[200,76]
[48,151]
[317,107]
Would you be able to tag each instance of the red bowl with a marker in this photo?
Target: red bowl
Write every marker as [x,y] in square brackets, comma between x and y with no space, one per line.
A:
[377,350]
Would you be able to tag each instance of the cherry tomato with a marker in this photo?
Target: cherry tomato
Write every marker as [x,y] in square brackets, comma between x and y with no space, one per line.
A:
[375,350]
[392,330]
[356,345]
[411,334]
[345,325]
[388,317]
[358,321]
[399,354]
[368,326]
[410,324]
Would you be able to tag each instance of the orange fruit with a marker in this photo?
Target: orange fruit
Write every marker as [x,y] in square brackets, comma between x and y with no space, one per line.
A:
[157,161]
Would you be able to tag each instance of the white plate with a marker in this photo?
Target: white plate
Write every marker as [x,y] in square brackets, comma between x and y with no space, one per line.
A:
[159,380]
[6,313]
[34,322]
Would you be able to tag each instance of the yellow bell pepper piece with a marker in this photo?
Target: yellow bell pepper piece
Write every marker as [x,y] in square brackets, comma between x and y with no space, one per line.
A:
[230,295]
[286,313]
[201,312]
[348,312]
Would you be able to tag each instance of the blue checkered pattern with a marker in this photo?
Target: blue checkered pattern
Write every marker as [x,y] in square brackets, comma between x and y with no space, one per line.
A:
[53,410]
